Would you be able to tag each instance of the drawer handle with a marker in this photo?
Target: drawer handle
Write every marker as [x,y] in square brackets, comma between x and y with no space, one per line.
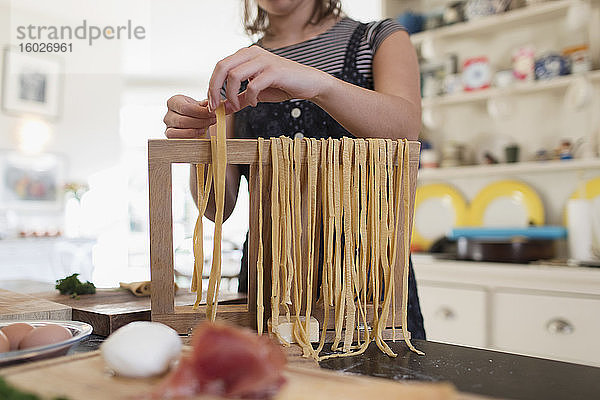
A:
[445,313]
[559,326]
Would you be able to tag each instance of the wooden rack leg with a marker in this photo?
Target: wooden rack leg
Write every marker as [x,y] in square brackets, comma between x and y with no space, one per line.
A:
[161,238]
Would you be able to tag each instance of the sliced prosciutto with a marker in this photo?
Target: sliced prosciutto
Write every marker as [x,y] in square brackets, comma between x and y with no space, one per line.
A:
[229,362]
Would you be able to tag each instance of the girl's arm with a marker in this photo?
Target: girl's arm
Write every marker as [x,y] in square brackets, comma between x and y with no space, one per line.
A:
[392,110]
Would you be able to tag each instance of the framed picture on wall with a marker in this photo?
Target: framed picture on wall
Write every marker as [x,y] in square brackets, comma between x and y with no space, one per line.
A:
[31,182]
[31,83]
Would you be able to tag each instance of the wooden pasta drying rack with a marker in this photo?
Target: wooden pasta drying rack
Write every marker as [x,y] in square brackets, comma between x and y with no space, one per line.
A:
[164,152]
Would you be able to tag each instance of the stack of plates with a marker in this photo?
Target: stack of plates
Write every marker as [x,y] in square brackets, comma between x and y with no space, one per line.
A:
[440,208]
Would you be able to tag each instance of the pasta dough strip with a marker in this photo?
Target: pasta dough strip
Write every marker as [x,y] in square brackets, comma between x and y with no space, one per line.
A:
[375,227]
[287,146]
[275,240]
[327,248]
[406,241]
[218,147]
[364,242]
[298,226]
[339,301]
[260,308]
[284,260]
[348,146]
[197,236]
[312,205]
[362,198]
[203,191]
[384,243]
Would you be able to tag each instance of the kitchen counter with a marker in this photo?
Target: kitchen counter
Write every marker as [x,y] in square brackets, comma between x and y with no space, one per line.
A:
[475,371]
[471,370]
[478,371]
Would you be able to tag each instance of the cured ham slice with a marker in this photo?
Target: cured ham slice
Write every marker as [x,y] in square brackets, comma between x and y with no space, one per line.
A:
[226,361]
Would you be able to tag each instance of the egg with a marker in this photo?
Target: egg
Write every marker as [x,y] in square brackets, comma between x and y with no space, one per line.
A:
[45,335]
[15,333]
[4,343]
[141,349]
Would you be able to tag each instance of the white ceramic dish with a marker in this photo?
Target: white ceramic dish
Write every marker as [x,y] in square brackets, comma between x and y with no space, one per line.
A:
[80,331]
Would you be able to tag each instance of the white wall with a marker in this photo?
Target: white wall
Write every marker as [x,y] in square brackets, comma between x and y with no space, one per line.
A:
[86,131]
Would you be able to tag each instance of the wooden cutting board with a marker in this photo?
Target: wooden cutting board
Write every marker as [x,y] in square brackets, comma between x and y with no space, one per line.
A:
[110,309]
[84,376]
[17,306]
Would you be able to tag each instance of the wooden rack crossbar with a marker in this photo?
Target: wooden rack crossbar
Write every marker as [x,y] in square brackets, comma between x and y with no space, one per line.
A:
[164,152]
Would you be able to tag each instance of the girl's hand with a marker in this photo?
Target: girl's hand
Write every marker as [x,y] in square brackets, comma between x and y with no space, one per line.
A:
[187,118]
[271,78]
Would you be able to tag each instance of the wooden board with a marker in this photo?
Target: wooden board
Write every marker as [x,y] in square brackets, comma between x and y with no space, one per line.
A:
[84,376]
[110,309]
[17,306]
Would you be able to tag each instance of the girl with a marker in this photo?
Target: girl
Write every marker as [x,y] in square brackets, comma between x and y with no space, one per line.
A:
[314,72]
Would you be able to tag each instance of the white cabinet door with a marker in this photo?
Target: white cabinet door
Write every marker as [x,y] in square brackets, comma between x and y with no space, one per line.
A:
[454,315]
[560,327]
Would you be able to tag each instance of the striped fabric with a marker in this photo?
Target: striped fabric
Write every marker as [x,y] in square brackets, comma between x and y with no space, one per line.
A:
[327,50]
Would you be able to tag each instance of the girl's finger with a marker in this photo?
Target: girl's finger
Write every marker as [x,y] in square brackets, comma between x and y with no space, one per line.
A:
[221,71]
[238,74]
[178,121]
[183,106]
[251,96]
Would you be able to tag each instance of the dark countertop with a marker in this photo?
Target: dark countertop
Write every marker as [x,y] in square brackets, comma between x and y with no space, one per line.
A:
[478,371]
[471,370]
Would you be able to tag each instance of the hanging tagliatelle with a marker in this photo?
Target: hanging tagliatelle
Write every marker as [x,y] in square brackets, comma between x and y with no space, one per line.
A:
[339,215]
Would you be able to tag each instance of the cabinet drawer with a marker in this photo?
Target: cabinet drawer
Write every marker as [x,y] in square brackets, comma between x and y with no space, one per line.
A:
[454,315]
[565,328]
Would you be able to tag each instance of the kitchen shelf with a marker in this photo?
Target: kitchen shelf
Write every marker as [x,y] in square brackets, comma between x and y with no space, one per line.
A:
[519,17]
[527,167]
[516,89]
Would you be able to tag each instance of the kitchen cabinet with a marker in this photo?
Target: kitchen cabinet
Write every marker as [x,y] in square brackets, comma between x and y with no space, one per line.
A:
[455,314]
[559,326]
[537,310]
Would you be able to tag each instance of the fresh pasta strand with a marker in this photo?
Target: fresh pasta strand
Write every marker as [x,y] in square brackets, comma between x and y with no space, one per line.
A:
[260,308]
[203,191]
[197,236]
[357,205]
[348,147]
[218,146]
[406,242]
[275,240]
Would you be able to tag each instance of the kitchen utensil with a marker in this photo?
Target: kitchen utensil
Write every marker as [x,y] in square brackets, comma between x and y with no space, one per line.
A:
[589,191]
[438,209]
[477,73]
[454,12]
[503,78]
[551,65]
[79,330]
[579,57]
[512,153]
[412,21]
[506,203]
[517,250]
[579,223]
[523,61]
[530,232]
